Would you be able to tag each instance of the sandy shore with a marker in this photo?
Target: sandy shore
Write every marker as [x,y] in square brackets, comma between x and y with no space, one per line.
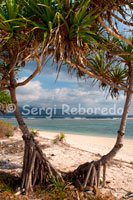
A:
[95,144]
[76,150]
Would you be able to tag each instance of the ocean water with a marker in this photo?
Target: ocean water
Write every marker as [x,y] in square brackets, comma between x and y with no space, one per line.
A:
[96,127]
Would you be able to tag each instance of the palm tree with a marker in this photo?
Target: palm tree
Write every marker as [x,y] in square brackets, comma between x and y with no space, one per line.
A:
[67,32]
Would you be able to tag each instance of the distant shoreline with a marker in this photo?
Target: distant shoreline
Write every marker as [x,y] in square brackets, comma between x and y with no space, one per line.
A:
[73,118]
[78,134]
[89,127]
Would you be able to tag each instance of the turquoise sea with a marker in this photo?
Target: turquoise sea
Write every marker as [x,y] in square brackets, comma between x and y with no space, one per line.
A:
[96,127]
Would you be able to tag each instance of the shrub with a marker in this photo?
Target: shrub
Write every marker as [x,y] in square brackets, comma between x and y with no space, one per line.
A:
[59,138]
[15,128]
[34,132]
[4,101]
[6,129]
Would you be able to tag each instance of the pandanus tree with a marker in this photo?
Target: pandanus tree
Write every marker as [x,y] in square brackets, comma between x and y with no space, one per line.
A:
[119,72]
[75,33]
[20,43]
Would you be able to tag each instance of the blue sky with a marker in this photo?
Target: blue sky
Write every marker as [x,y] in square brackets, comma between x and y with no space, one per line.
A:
[45,91]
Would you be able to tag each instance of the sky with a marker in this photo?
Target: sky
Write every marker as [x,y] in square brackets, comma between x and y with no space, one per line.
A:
[45,91]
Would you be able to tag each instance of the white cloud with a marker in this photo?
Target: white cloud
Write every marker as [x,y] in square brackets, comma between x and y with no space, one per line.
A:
[34,94]
[30,92]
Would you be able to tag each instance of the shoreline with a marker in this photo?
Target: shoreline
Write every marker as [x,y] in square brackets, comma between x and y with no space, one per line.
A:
[83,134]
[94,144]
[73,129]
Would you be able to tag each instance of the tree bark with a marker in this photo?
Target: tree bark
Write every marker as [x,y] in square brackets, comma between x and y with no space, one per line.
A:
[36,167]
[38,69]
[88,174]
[121,131]
[118,36]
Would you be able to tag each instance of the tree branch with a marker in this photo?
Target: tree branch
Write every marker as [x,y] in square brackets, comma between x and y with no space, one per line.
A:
[33,75]
[113,33]
[112,26]
[92,75]
[120,20]
[121,53]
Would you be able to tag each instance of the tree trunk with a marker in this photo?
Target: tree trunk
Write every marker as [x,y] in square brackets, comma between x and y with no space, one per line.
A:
[36,167]
[88,174]
[121,131]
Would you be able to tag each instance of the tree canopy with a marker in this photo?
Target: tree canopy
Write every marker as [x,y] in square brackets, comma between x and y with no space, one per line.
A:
[69,32]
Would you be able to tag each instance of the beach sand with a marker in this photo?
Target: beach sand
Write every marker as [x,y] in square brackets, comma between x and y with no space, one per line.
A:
[76,150]
[95,144]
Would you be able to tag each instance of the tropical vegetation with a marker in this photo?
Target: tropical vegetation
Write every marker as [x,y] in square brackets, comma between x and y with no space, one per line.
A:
[84,35]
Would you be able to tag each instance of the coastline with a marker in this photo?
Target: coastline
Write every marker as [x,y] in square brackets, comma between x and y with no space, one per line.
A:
[101,128]
[83,134]
[94,144]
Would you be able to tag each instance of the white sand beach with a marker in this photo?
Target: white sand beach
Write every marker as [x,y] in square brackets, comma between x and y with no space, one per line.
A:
[95,144]
[76,150]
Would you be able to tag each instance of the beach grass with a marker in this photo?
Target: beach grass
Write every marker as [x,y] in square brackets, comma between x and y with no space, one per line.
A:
[9,184]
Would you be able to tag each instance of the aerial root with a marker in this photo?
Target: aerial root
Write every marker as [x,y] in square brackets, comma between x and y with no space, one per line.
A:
[88,175]
[36,168]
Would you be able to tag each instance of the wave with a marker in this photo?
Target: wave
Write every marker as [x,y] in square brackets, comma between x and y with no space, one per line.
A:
[31,118]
